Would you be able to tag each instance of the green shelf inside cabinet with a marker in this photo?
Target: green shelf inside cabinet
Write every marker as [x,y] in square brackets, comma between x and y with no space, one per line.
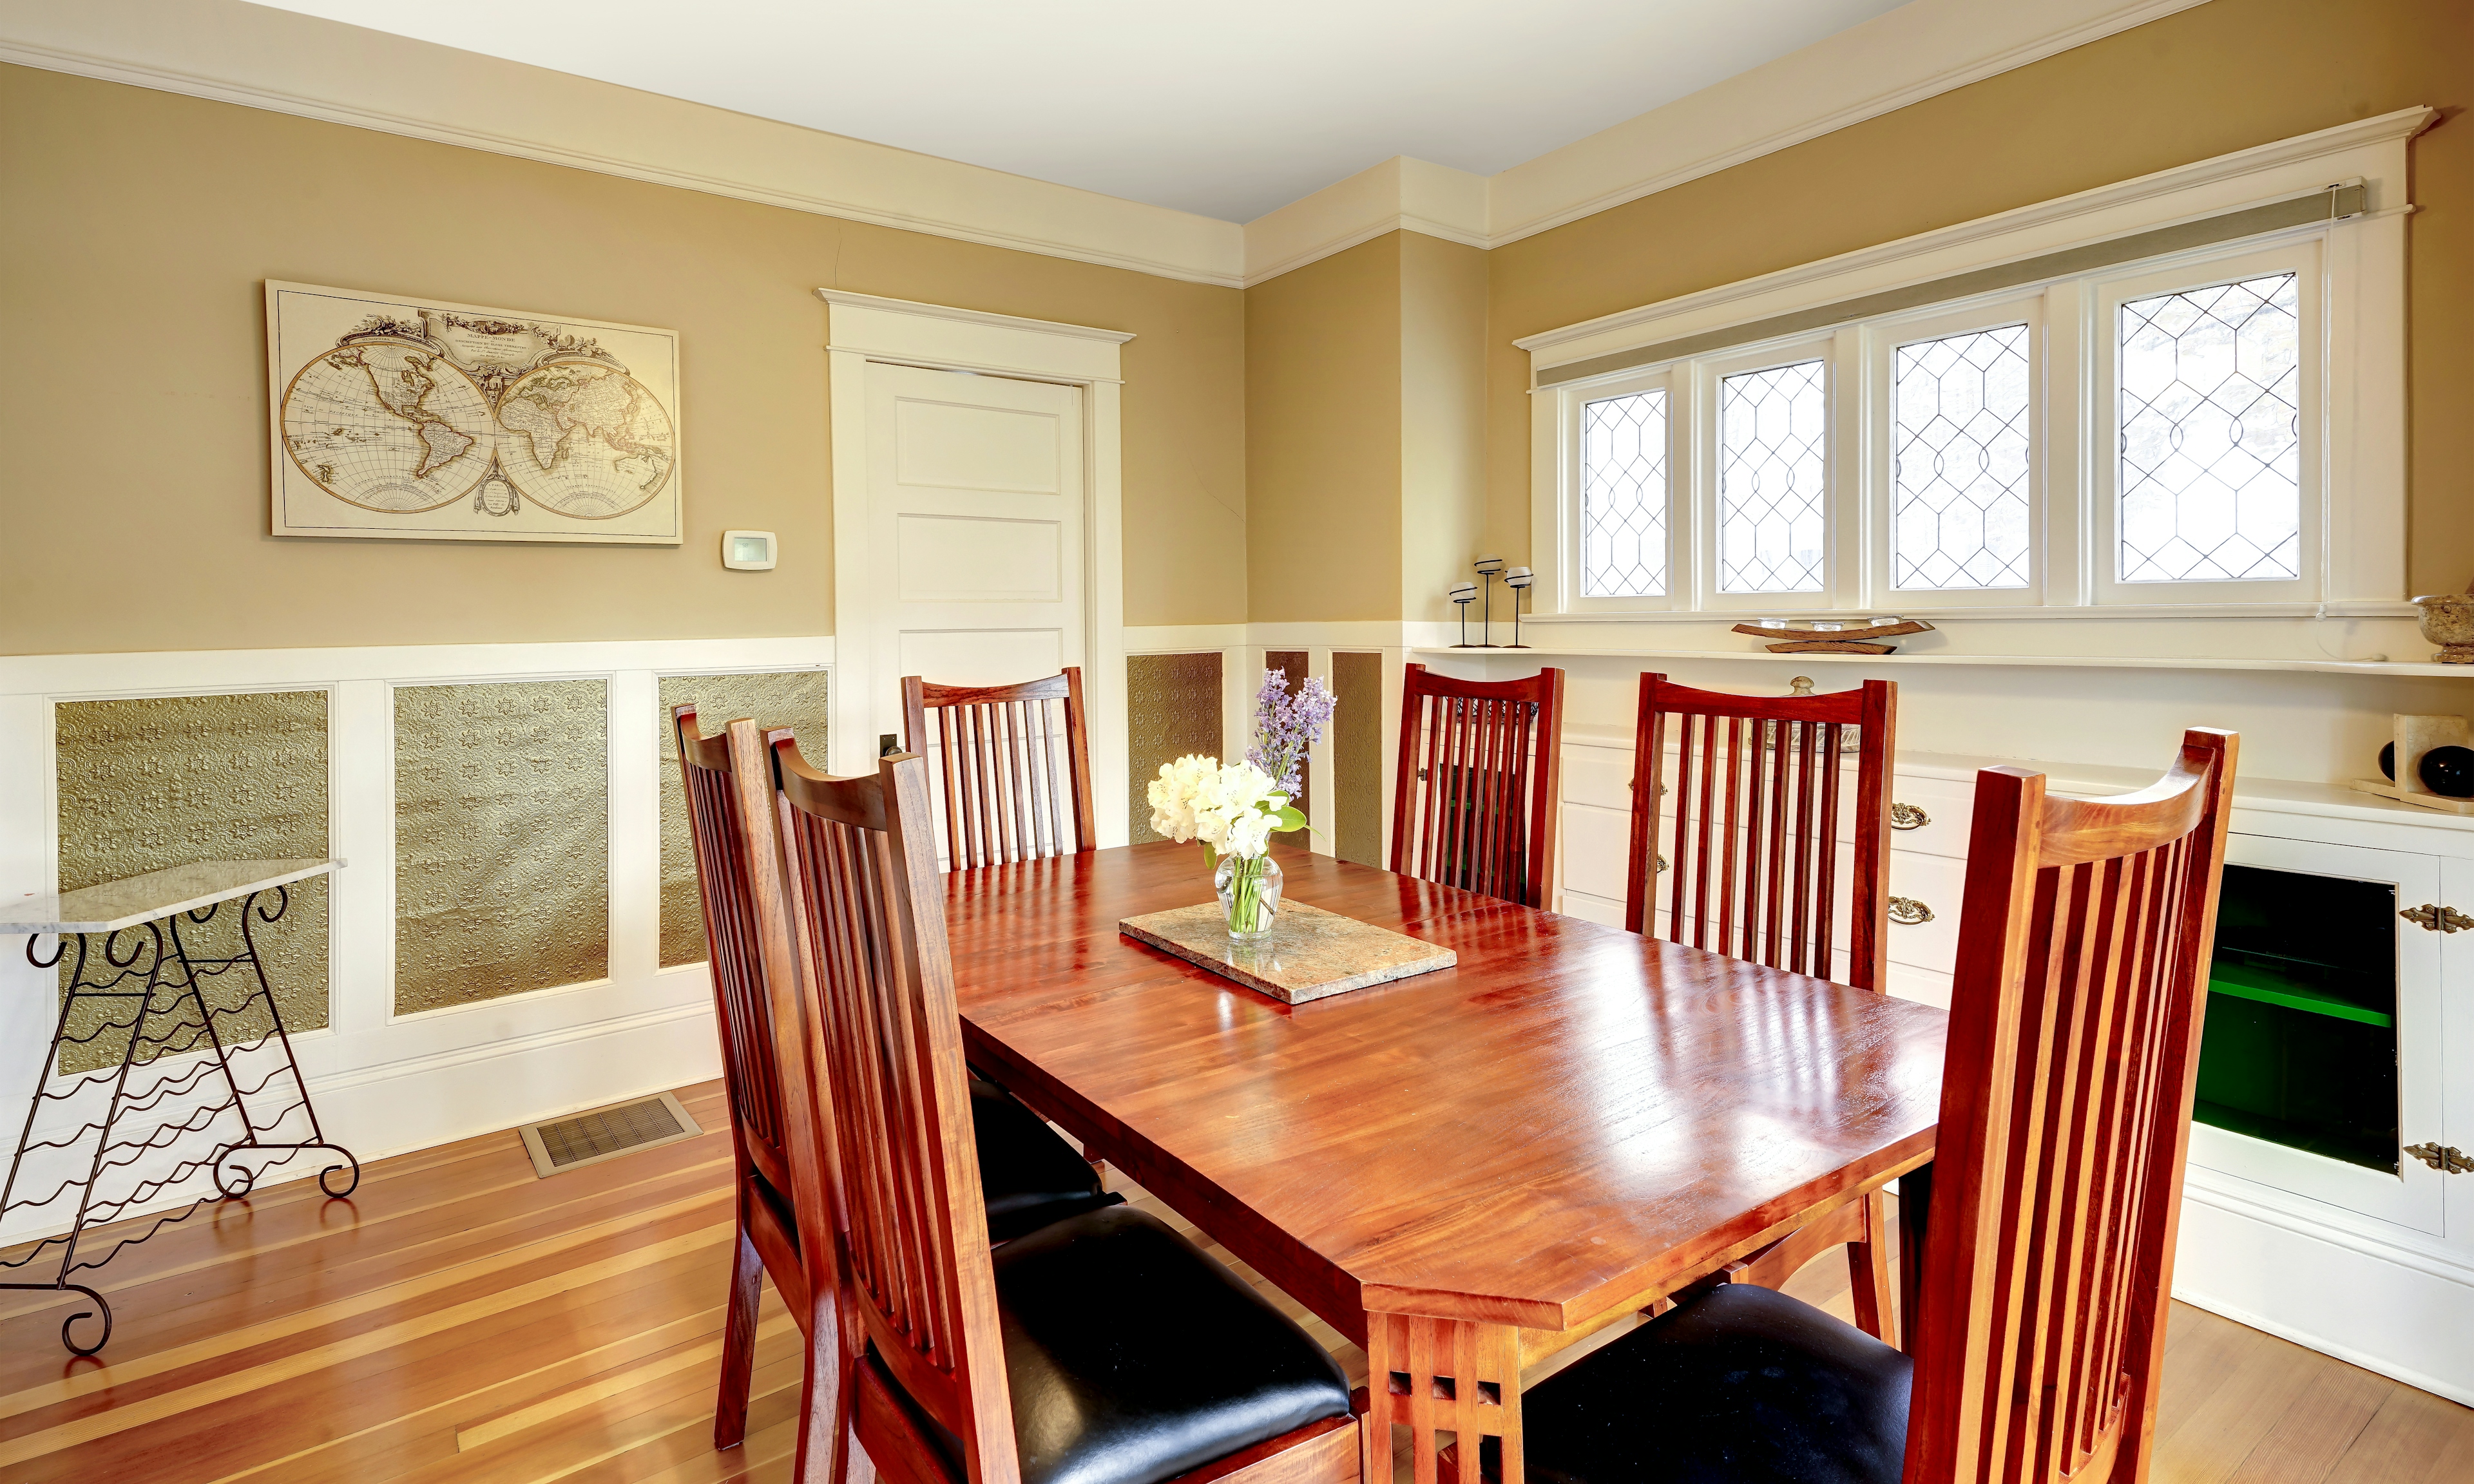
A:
[2251,981]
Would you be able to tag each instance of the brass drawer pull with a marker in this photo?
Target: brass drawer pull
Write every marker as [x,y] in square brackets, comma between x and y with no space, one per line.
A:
[1909,911]
[1906,816]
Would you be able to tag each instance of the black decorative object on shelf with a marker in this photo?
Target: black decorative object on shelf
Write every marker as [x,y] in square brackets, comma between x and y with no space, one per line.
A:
[2388,761]
[2448,772]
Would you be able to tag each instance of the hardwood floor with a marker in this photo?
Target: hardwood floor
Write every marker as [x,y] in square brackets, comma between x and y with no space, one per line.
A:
[462,1320]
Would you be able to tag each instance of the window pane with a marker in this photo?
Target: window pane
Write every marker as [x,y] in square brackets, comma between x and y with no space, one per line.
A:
[1958,496]
[2211,474]
[1772,473]
[1623,496]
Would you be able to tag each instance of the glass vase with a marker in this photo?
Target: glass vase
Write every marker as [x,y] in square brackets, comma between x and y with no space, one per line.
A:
[1249,893]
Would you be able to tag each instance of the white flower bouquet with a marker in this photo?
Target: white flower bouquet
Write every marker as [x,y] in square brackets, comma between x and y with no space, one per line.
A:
[1235,809]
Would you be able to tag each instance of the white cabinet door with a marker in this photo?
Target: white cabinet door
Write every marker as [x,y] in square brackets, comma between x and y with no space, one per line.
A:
[2412,1194]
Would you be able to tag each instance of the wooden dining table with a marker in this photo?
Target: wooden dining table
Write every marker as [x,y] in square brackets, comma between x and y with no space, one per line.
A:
[1464,1171]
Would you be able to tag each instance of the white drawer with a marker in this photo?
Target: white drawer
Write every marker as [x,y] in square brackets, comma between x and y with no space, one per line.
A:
[1934,884]
[1600,775]
[1592,908]
[1925,986]
[1945,805]
[1594,843]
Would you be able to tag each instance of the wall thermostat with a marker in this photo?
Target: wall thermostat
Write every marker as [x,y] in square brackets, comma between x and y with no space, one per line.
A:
[747,551]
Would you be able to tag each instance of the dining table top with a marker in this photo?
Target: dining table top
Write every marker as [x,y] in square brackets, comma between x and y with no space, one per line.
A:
[1570,1118]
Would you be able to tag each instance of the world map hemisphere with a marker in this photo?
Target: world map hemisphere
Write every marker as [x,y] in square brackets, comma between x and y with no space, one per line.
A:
[391,425]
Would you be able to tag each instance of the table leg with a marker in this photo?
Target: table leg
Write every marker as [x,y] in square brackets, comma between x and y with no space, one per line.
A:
[1915,1215]
[1436,1376]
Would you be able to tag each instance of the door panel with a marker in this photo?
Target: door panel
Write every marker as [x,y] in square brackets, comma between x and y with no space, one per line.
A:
[975,513]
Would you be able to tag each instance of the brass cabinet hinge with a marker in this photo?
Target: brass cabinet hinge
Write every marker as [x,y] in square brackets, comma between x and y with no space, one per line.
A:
[2436,919]
[1906,816]
[1909,911]
[2447,1159]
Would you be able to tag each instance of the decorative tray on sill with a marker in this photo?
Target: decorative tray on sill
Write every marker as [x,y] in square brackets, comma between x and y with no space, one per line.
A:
[1821,637]
[1312,955]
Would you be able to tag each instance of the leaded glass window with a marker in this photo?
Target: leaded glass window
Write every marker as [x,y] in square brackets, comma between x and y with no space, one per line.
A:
[1772,478]
[1623,496]
[1959,435]
[2211,472]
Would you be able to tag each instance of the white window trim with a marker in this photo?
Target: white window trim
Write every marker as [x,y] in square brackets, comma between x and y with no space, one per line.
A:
[2318,379]
[1564,527]
[1883,341]
[2361,462]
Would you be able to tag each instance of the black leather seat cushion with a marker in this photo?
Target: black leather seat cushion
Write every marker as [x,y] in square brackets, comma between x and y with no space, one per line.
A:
[1740,1386]
[1135,1357]
[1030,1176]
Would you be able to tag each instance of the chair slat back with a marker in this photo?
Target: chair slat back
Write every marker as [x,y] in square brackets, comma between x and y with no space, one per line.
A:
[867,923]
[2074,1045]
[1480,765]
[1756,792]
[730,824]
[1011,765]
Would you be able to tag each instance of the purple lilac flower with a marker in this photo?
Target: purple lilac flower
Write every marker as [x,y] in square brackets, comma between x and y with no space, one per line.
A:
[1286,724]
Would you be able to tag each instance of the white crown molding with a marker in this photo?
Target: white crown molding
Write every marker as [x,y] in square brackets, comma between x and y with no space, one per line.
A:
[1399,194]
[1901,57]
[1005,322]
[309,68]
[314,68]
[2301,163]
[1905,56]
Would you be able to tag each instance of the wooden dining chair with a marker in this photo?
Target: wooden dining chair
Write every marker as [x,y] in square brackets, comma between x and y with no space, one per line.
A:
[1100,1349]
[1001,754]
[2073,1046]
[1757,795]
[1475,798]
[1032,1176]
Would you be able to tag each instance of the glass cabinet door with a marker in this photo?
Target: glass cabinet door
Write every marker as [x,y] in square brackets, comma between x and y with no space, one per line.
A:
[2321,1053]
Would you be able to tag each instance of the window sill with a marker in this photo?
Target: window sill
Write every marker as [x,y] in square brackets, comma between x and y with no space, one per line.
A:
[2334,608]
[2385,667]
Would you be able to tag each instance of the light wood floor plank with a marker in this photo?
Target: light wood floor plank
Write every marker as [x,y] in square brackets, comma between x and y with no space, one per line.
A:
[462,1320]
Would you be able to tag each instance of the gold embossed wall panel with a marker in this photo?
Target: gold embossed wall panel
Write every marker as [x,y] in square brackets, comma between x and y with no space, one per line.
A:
[1357,758]
[169,780]
[501,840]
[1171,709]
[794,699]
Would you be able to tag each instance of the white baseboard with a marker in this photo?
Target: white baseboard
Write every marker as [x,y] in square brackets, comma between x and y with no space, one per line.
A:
[375,1112]
[2401,1305]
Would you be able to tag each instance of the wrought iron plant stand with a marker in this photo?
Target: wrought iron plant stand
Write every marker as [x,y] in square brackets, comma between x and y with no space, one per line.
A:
[136,974]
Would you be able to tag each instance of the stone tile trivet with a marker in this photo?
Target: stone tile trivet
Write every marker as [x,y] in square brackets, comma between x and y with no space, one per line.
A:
[1312,953]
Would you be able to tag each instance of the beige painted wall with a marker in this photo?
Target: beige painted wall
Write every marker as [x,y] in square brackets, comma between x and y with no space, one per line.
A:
[2204,81]
[1365,431]
[1443,419]
[1322,454]
[137,227]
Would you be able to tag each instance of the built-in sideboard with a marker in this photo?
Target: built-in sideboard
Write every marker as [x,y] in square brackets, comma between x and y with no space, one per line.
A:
[2331,1191]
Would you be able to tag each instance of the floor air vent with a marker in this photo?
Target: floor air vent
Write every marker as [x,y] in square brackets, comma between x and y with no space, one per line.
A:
[558,1145]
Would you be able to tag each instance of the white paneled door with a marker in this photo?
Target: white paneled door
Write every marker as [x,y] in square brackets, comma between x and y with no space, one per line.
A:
[975,509]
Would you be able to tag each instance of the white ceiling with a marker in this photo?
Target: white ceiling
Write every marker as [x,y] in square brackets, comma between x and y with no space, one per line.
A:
[1228,113]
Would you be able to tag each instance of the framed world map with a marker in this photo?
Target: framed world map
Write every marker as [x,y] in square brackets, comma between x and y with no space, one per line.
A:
[396,418]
